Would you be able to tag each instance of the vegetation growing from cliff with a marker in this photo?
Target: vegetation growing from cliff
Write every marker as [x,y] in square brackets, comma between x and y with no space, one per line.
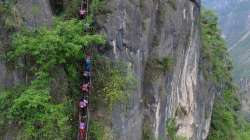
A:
[99,131]
[115,87]
[9,19]
[226,123]
[33,109]
[165,64]
[218,65]
[172,130]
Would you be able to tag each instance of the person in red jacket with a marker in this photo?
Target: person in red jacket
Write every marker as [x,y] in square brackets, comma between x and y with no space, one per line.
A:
[82,128]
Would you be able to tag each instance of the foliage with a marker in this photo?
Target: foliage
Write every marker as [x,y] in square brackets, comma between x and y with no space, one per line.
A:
[97,6]
[218,66]
[32,109]
[62,44]
[159,66]
[7,98]
[98,131]
[72,8]
[113,88]
[29,107]
[172,130]
[165,64]
[147,132]
[226,123]
[9,19]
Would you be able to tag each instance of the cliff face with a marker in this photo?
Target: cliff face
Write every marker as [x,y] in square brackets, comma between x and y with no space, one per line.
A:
[234,19]
[142,33]
[33,14]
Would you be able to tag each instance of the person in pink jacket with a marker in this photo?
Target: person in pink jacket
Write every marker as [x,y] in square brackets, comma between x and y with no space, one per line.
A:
[86,87]
[83,103]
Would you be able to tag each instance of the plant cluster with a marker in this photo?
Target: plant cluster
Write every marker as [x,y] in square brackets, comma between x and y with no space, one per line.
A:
[172,130]
[114,81]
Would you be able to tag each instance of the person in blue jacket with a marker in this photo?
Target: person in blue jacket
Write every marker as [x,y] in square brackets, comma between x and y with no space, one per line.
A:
[87,63]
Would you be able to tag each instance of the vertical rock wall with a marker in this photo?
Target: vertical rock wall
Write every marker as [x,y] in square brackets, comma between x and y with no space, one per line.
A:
[31,13]
[142,32]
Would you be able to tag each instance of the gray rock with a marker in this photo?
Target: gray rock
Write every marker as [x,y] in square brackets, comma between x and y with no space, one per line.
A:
[142,31]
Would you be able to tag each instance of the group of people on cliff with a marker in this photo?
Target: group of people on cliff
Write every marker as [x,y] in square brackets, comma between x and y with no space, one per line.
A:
[85,89]
[86,83]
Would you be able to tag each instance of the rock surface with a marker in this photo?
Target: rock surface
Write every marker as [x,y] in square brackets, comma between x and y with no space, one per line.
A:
[142,32]
[32,13]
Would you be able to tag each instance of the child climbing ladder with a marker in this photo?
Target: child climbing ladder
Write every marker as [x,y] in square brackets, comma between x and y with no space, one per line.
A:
[83,9]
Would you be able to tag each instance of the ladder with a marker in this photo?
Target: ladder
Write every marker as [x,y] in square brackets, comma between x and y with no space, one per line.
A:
[85,113]
[87,73]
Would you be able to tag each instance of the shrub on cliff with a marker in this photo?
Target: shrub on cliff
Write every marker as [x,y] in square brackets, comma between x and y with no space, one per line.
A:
[32,109]
[63,43]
